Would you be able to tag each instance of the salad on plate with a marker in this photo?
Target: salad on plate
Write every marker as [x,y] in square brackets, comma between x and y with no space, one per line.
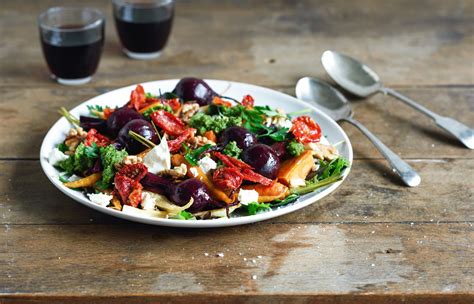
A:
[192,154]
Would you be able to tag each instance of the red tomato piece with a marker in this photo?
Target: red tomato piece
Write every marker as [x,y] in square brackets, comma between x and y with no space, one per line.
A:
[135,197]
[248,101]
[134,171]
[171,124]
[227,178]
[232,162]
[175,144]
[251,176]
[174,103]
[93,136]
[137,98]
[244,169]
[305,129]
[129,190]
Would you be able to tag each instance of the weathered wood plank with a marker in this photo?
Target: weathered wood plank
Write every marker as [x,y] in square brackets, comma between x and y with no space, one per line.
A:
[268,259]
[27,197]
[268,43]
[23,124]
[249,297]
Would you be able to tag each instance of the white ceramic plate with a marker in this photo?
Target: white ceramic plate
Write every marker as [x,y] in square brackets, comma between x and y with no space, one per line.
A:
[262,96]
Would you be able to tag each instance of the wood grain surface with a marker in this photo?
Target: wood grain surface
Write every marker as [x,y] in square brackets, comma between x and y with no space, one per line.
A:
[372,241]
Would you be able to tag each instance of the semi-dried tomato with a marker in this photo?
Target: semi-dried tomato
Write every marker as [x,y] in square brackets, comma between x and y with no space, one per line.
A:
[129,190]
[171,124]
[174,103]
[227,178]
[134,171]
[305,129]
[93,136]
[175,144]
[248,101]
[252,176]
[232,162]
[137,98]
[245,170]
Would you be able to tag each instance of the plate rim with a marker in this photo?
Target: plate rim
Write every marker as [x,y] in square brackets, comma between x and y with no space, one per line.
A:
[212,223]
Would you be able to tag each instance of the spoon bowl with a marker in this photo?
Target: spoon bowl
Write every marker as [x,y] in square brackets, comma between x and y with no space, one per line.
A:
[360,80]
[352,75]
[324,97]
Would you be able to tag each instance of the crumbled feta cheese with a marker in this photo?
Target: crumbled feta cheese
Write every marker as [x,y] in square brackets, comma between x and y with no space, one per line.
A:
[55,156]
[297,182]
[159,158]
[181,169]
[100,198]
[285,123]
[148,202]
[246,197]
[194,171]
[206,163]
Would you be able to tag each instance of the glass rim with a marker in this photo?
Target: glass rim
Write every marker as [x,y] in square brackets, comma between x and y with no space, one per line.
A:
[100,18]
[151,4]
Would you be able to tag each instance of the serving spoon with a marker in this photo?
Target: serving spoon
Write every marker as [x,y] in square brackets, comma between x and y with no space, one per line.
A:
[333,103]
[360,80]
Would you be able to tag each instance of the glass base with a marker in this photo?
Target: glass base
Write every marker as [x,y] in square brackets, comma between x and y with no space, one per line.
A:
[142,56]
[73,81]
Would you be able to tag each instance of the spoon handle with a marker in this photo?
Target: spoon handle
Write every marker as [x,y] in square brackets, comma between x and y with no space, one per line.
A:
[406,173]
[457,129]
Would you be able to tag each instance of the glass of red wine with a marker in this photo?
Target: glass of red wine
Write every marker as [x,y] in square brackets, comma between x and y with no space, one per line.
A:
[72,39]
[143,26]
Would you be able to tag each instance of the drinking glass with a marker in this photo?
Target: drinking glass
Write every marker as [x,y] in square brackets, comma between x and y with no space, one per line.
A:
[143,26]
[72,39]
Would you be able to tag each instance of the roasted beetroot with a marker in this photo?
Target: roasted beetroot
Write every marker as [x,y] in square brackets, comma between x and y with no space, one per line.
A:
[242,137]
[143,128]
[194,89]
[263,159]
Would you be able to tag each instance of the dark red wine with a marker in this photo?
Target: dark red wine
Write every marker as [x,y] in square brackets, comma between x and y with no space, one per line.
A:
[144,37]
[73,62]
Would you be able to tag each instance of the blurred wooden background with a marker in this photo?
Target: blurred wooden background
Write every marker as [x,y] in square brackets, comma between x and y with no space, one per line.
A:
[373,240]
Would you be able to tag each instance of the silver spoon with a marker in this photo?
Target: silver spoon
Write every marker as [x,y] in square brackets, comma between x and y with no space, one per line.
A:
[333,103]
[360,80]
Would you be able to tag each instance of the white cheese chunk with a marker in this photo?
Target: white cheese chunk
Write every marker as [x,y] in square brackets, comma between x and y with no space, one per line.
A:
[206,163]
[285,124]
[100,198]
[246,197]
[148,202]
[297,182]
[194,171]
[55,156]
[159,158]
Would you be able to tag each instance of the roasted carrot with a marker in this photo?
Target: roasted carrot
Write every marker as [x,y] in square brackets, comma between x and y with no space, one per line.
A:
[85,182]
[210,135]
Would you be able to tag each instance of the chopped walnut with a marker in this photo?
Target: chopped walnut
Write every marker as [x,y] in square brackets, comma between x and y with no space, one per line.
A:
[199,141]
[278,121]
[128,160]
[175,173]
[320,151]
[74,137]
[188,110]
[74,132]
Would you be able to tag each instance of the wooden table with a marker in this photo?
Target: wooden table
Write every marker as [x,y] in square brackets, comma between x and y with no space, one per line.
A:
[373,240]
